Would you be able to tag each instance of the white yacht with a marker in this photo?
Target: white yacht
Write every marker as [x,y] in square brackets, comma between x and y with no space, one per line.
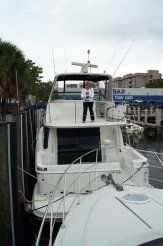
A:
[88,177]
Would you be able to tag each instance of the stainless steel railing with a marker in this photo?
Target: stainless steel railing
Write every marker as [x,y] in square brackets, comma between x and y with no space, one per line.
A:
[53,219]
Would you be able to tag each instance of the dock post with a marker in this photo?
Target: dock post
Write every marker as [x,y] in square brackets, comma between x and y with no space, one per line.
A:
[145,116]
[9,204]
[138,119]
[158,117]
[158,130]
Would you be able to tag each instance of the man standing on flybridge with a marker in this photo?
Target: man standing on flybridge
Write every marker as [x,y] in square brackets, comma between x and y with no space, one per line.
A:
[87,95]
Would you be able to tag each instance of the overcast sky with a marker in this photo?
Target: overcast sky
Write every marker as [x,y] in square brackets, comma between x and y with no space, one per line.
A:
[109,28]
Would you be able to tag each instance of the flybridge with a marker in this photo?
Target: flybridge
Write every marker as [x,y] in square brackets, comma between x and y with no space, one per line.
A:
[85,66]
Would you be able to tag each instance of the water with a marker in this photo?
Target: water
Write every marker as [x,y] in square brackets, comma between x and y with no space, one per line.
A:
[150,142]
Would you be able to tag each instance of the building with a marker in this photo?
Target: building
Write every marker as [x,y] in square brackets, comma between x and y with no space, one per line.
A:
[136,80]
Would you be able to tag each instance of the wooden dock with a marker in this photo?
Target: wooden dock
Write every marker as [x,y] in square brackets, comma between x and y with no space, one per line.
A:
[17,159]
[150,116]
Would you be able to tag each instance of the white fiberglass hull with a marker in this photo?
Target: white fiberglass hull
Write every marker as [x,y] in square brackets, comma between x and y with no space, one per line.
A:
[105,218]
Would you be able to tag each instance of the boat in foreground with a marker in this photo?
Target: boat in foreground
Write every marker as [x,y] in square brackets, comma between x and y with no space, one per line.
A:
[88,177]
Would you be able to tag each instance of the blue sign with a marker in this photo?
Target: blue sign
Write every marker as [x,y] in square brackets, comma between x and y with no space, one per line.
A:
[121,98]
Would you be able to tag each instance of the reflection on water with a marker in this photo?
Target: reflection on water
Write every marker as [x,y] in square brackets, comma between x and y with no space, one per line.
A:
[149,142]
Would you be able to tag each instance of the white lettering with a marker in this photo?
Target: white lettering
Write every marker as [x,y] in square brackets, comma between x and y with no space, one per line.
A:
[119,97]
[128,97]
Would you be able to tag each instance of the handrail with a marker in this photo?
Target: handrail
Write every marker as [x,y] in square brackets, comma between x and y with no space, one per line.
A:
[56,187]
[75,198]
[52,195]
[74,114]
[96,170]
[78,194]
[156,154]
[79,159]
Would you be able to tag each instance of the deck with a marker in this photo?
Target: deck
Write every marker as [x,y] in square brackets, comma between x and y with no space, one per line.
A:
[68,113]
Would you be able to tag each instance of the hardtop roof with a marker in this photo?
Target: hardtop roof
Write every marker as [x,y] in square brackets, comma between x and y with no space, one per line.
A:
[94,77]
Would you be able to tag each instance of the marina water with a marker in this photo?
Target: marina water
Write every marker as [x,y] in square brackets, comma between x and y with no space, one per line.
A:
[150,142]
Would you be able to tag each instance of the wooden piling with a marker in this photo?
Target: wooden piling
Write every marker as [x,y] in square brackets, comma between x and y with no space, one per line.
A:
[23,153]
[149,117]
[10,233]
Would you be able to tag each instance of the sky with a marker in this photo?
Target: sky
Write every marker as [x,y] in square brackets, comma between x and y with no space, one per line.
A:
[123,36]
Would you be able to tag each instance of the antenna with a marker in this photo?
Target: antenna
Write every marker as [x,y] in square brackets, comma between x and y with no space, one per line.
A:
[65,60]
[88,62]
[88,52]
[109,63]
[124,57]
[85,66]
[53,62]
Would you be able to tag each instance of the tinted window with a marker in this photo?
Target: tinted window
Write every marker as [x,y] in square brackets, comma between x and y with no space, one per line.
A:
[72,143]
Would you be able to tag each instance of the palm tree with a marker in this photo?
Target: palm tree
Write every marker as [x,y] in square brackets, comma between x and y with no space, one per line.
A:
[12,63]
[11,60]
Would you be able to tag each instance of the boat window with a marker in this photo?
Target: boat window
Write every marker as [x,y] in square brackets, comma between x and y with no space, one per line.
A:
[73,92]
[75,96]
[66,96]
[72,143]
[46,137]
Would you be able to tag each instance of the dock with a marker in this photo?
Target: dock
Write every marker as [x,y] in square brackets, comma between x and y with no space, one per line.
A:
[146,116]
[18,130]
